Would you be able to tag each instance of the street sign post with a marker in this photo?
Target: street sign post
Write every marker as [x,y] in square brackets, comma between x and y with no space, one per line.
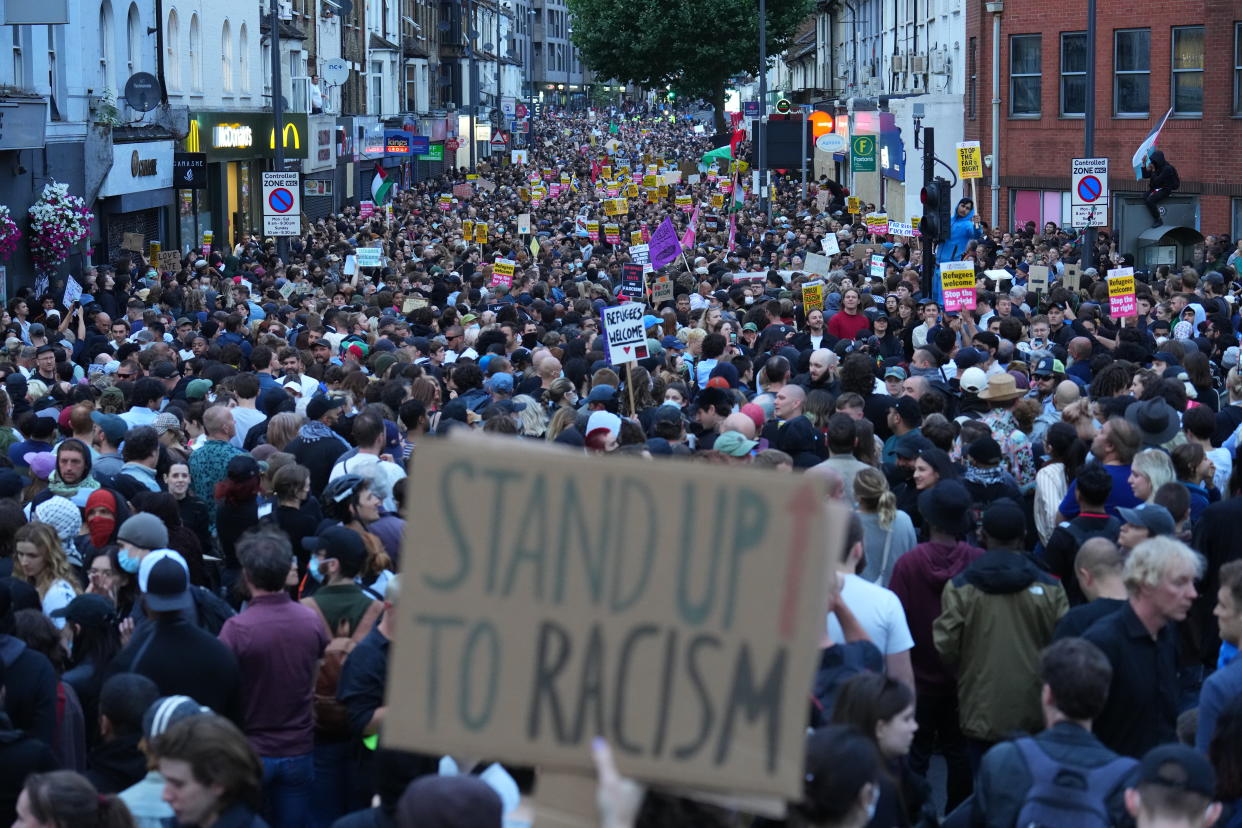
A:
[1089,192]
[499,140]
[282,204]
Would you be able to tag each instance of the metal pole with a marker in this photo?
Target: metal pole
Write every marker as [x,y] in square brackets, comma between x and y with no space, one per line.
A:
[805,111]
[1088,242]
[928,244]
[994,213]
[473,80]
[278,114]
[763,109]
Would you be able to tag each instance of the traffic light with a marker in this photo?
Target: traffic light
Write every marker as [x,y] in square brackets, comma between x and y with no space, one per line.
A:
[936,213]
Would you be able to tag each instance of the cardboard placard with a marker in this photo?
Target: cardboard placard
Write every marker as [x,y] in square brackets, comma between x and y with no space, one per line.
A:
[831,245]
[612,233]
[523,224]
[1072,280]
[853,204]
[1037,278]
[170,261]
[817,264]
[632,281]
[662,290]
[134,242]
[623,328]
[876,224]
[615,615]
[616,207]
[877,266]
[480,232]
[369,257]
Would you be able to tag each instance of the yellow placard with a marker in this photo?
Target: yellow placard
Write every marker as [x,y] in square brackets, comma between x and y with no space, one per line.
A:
[636,237]
[606,171]
[650,181]
[593,230]
[853,204]
[1120,285]
[812,296]
[631,191]
[969,160]
[653,195]
[480,232]
[717,200]
[616,207]
[957,278]
[663,190]
[684,201]
[467,229]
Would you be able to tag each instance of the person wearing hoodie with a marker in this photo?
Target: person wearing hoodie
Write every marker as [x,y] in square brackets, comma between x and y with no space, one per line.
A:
[963,229]
[998,675]
[116,762]
[918,581]
[29,686]
[1162,181]
[20,755]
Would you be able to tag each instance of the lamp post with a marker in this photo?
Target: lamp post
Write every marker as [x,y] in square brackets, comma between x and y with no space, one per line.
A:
[995,7]
[762,143]
[278,115]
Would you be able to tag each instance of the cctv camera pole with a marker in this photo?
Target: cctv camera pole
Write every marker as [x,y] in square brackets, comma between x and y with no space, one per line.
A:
[925,239]
[278,114]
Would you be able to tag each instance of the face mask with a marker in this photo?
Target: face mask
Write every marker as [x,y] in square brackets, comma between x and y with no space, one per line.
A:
[101,527]
[750,300]
[572,397]
[129,564]
[317,573]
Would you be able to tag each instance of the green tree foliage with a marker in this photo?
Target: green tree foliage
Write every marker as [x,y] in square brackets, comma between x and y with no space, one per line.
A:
[693,45]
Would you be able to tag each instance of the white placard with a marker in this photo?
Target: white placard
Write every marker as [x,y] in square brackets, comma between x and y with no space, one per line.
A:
[623,326]
[831,246]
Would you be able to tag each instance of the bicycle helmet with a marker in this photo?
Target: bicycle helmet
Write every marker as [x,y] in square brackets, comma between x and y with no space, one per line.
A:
[344,487]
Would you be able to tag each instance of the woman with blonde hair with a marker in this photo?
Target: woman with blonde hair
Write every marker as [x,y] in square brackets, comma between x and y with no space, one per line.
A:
[1149,470]
[532,420]
[282,428]
[40,560]
[561,420]
[887,532]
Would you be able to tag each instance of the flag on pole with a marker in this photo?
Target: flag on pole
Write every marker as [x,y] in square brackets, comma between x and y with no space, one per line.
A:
[732,232]
[739,196]
[380,185]
[688,238]
[720,154]
[1145,148]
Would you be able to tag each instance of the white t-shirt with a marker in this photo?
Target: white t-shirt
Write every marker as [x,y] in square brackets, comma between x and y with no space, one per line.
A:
[382,474]
[245,419]
[878,611]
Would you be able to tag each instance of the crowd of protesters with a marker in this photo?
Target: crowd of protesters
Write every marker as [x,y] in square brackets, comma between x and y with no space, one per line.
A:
[203,489]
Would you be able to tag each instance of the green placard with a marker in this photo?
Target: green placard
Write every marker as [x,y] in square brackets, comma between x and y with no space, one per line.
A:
[862,153]
[436,153]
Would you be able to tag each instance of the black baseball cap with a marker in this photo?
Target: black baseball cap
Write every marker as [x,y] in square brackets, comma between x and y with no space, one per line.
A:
[1179,768]
[88,610]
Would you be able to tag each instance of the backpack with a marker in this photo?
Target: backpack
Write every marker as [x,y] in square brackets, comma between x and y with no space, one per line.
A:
[1067,796]
[1081,535]
[331,720]
[212,610]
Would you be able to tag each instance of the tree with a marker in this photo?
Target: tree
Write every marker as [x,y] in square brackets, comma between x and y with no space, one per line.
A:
[694,46]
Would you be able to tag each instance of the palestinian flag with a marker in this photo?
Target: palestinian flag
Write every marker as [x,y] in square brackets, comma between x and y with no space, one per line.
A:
[739,196]
[720,154]
[380,185]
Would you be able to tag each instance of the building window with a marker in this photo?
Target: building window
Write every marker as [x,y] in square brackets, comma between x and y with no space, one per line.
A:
[172,51]
[377,87]
[1237,71]
[133,32]
[53,76]
[243,60]
[972,79]
[1024,75]
[1237,217]
[226,56]
[196,55]
[1132,72]
[107,56]
[1187,66]
[1040,207]
[1073,74]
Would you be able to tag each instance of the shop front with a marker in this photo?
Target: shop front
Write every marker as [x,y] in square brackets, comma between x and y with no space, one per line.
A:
[135,200]
[237,148]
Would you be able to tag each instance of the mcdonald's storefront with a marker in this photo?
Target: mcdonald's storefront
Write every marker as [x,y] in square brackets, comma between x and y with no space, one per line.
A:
[237,148]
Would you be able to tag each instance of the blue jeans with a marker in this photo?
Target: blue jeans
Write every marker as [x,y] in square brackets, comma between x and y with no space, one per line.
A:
[331,761]
[288,783]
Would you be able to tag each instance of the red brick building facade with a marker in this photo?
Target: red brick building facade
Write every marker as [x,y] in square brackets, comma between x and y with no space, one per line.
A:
[1150,56]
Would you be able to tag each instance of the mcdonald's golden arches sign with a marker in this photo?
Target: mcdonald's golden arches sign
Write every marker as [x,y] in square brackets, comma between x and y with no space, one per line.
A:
[226,136]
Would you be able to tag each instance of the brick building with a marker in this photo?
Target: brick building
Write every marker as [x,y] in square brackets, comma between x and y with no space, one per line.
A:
[1150,57]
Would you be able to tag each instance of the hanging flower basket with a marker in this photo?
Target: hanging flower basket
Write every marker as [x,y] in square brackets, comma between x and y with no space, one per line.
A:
[58,221]
[9,234]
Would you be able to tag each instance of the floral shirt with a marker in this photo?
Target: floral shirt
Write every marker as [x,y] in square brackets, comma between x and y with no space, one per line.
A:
[1015,445]
[208,466]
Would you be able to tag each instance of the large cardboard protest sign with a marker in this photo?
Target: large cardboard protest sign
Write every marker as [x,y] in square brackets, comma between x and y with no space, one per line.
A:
[632,282]
[676,615]
[502,273]
[813,296]
[957,279]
